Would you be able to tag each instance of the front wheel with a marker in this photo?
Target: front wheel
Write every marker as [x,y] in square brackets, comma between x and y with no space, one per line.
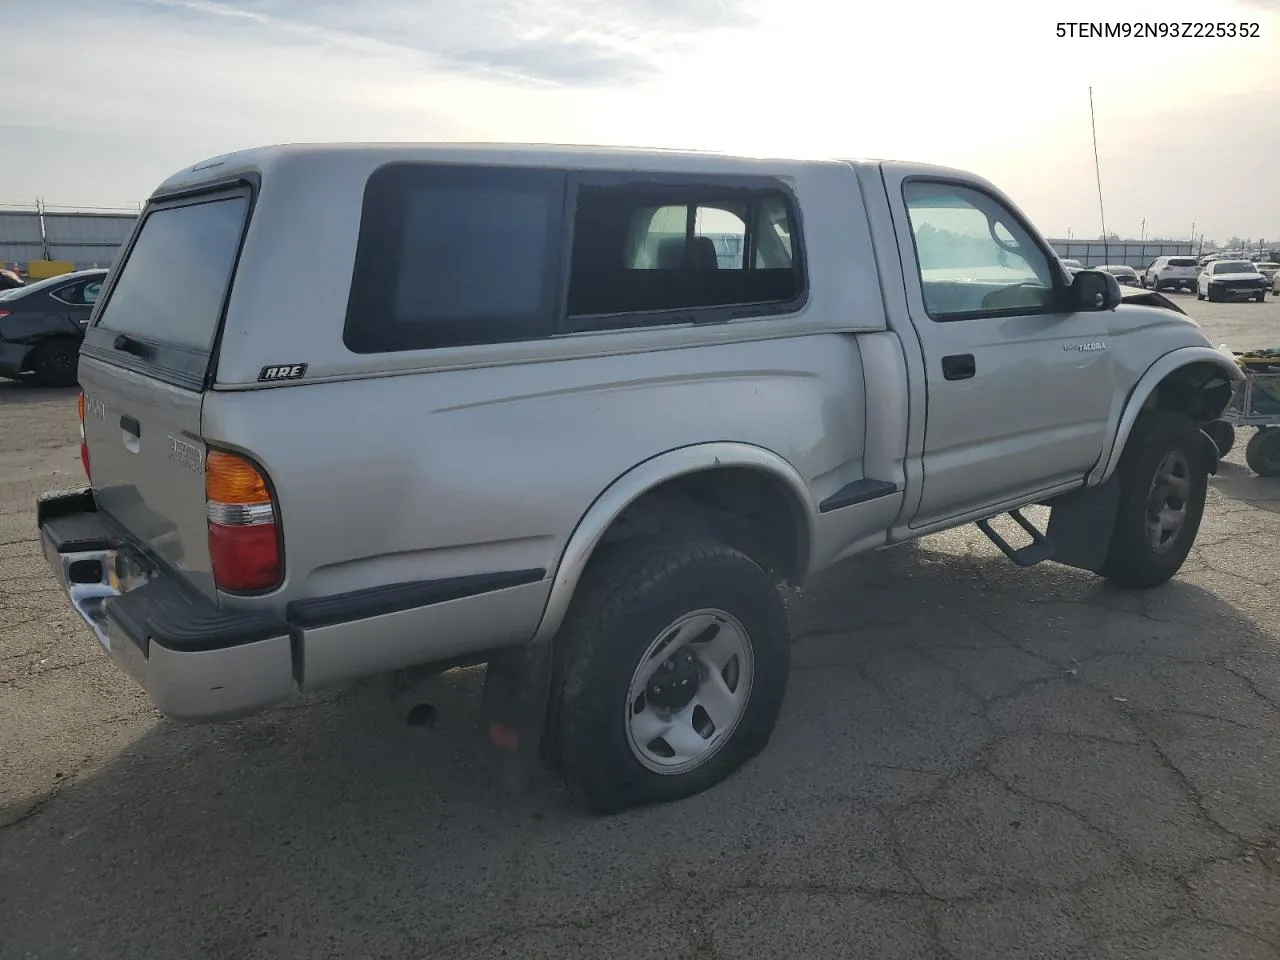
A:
[677,657]
[1262,453]
[1163,480]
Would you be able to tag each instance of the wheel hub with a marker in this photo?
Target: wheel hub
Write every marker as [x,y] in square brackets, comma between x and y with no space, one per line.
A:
[689,691]
[675,683]
[1167,503]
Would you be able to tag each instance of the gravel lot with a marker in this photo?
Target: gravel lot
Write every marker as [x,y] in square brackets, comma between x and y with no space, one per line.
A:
[974,761]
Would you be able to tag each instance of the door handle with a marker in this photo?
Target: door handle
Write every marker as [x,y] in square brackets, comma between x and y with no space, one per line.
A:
[131,426]
[961,366]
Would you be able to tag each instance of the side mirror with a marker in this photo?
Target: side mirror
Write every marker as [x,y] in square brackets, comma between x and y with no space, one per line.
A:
[1094,290]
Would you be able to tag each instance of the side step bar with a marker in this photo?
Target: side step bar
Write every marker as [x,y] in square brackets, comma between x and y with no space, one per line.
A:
[1037,551]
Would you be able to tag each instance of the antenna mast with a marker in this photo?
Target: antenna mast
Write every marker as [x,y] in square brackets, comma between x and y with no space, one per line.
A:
[1097,169]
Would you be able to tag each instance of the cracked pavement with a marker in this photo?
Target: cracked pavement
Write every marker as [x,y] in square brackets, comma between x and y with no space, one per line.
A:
[973,761]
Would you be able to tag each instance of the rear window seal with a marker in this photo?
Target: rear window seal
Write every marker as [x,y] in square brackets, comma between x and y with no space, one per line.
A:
[246,184]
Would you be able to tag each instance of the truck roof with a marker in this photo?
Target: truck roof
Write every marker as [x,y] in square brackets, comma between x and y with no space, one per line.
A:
[366,155]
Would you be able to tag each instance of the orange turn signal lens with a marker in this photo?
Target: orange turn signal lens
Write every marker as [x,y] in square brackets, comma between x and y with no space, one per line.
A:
[80,408]
[233,480]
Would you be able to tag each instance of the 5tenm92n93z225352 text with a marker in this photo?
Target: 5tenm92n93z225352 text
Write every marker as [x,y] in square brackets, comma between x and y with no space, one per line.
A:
[1142,30]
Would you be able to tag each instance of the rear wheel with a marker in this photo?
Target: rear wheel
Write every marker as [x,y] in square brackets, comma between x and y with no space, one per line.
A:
[55,363]
[1155,284]
[677,655]
[1262,453]
[1163,479]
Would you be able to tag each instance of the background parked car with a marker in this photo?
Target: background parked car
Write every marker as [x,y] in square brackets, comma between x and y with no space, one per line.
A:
[9,280]
[1231,280]
[1073,266]
[1268,268]
[42,325]
[1172,273]
[1122,272]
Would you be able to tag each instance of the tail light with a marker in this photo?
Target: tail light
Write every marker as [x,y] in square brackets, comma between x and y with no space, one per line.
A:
[245,545]
[4,313]
[84,446]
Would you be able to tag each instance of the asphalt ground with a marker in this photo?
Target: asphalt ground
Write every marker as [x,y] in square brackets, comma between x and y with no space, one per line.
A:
[974,761]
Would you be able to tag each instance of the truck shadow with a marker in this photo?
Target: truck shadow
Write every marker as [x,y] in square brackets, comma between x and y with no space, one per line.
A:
[1239,483]
[331,825]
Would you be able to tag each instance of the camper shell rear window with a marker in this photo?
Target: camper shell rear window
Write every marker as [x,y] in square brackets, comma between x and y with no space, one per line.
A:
[162,311]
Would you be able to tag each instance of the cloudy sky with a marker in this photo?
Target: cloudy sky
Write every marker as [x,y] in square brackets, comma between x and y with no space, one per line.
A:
[105,98]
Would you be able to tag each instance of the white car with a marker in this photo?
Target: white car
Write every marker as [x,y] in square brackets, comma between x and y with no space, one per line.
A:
[1271,270]
[1231,280]
[1172,272]
[1073,267]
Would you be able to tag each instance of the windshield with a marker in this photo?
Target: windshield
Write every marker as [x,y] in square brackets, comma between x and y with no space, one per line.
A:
[1234,266]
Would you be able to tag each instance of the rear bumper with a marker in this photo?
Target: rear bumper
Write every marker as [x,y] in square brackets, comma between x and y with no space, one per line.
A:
[195,660]
[13,357]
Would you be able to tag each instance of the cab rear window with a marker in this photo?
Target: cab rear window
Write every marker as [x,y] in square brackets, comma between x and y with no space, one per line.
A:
[173,283]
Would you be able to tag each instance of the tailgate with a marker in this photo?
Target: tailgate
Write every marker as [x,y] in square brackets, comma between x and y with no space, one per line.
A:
[143,369]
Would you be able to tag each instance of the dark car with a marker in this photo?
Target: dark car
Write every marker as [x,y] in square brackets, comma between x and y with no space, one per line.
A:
[1124,274]
[42,325]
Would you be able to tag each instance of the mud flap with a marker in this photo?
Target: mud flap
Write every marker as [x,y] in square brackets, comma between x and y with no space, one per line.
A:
[1081,523]
[513,709]
[1213,458]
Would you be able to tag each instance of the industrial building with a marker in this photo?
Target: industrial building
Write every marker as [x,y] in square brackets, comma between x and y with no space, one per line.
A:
[42,241]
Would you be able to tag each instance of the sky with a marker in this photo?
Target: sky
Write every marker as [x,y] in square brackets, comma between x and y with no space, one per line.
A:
[105,98]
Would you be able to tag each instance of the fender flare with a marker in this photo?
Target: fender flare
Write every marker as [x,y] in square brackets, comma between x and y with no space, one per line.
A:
[1145,387]
[642,478]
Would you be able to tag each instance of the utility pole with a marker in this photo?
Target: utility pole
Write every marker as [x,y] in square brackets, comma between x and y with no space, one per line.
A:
[44,237]
[1143,234]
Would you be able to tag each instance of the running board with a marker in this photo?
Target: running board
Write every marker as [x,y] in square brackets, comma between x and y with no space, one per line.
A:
[1037,551]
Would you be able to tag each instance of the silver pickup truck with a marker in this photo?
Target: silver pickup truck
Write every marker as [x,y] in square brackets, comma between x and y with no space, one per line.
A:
[575,413]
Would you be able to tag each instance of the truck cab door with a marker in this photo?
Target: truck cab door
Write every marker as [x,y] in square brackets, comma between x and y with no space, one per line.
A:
[1019,383]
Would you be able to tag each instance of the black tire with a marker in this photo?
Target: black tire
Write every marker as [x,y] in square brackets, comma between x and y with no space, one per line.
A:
[1223,436]
[56,363]
[1262,453]
[1199,295]
[1155,284]
[1262,298]
[1132,560]
[625,602]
